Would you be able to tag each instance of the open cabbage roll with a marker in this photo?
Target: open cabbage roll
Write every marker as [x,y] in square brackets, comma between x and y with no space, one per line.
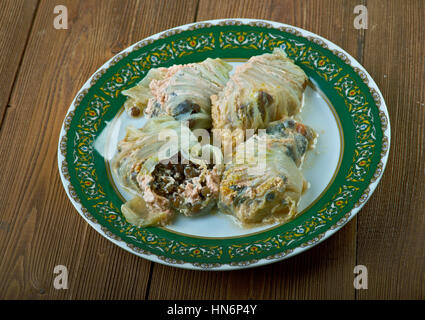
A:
[256,194]
[266,88]
[166,178]
[181,91]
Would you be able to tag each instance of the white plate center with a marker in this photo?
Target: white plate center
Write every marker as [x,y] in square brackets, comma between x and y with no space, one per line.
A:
[319,168]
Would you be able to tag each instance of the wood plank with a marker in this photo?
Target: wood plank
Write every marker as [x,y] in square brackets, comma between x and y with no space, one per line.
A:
[15,20]
[324,272]
[39,228]
[391,241]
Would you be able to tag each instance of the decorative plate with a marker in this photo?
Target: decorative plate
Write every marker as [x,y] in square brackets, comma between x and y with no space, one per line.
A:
[342,103]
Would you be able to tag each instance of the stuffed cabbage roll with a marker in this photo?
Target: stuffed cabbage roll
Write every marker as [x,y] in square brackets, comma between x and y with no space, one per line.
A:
[166,181]
[138,96]
[257,195]
[181,91]
[266,88]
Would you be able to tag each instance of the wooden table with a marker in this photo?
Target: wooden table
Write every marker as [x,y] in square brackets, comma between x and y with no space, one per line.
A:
[42,69]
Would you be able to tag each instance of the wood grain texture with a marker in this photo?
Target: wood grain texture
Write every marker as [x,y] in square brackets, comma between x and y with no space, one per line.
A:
[391,236]
[16,17]
[324,272]
[39,227]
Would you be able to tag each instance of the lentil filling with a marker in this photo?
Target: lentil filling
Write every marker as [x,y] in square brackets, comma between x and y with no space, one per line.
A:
[172,180]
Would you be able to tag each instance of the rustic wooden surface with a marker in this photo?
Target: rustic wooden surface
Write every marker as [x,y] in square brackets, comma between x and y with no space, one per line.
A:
[43,68]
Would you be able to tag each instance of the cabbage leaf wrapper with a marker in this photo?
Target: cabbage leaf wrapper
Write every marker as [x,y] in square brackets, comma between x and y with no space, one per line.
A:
[181,91]
[266,88]
[167,171]
[258,194]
